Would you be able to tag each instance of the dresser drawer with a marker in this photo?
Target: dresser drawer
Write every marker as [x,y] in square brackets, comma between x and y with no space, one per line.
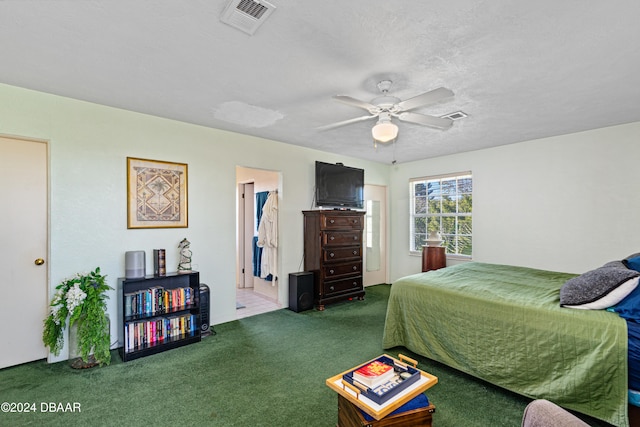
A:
[341,238]
[344,285]
[337,271]
[330,254]
[341,222]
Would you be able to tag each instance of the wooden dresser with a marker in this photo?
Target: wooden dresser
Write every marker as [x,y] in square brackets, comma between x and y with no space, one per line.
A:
[333,252]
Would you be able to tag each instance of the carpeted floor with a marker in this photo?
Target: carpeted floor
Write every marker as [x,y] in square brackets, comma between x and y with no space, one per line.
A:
[267,370]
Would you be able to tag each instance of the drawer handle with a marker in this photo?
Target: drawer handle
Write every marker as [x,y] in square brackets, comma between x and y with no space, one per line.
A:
[331,255]
[331,221]
[355,221]
[331,271]
[355,268]
[331,288]
[355,252]
[355,237]
[331,238]
[355,283]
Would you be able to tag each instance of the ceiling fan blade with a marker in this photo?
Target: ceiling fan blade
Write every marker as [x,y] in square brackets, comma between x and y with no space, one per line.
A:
[346,122]
[425,120]
[356,103]
[424,99]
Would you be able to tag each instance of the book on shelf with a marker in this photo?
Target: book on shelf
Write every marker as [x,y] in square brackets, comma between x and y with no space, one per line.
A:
[128,300]
[157,300]
[373,374]
[147,333]
[159,262]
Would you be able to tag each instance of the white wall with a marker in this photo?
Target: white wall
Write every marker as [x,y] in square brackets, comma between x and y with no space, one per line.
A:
[566,203]
[88,207]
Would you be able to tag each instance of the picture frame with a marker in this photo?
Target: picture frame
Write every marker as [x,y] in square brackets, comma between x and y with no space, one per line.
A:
[157,194]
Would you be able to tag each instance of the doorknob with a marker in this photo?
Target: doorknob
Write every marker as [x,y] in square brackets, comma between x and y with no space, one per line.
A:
[39,261]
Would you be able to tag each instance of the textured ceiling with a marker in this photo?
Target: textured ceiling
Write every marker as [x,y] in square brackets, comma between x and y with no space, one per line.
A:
[520,70]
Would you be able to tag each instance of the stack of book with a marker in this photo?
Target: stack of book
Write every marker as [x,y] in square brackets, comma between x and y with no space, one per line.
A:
[373,374]
[157,300]
[382,378]
[143,334]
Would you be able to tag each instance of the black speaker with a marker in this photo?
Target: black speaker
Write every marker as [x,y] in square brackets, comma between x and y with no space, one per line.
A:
[204,309]
[301,291]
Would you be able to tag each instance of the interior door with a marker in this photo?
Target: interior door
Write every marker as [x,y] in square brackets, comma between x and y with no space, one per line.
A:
[247,230]
[23,232]
[375,235]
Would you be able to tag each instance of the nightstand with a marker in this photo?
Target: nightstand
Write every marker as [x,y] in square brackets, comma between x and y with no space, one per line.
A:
[433,258]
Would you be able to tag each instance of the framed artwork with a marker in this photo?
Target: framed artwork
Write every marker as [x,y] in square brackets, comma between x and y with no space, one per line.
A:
[156,194]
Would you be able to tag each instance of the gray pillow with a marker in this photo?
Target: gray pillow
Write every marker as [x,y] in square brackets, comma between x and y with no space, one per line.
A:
[598,289]
[617,264]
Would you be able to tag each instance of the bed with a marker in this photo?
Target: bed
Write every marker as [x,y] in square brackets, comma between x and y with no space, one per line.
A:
[504,324]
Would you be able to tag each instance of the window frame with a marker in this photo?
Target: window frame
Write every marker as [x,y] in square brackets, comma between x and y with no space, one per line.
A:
[412,211]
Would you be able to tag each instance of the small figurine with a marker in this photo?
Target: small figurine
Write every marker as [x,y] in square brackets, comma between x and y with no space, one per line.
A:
[185,256]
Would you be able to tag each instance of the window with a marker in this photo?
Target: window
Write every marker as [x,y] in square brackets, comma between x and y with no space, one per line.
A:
[442,203]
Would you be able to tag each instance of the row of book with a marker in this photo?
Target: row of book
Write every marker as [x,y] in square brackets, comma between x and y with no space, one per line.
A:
[143,334]
[157,300]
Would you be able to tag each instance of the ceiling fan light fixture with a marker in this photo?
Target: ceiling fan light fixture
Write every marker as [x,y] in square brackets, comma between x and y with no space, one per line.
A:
[385,107]
[384,132]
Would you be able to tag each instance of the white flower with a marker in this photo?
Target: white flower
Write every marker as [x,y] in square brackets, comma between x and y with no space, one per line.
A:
[75,296]
[57,297]
[55,309]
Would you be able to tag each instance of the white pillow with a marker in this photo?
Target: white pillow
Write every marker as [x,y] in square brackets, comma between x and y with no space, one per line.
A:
[610,299]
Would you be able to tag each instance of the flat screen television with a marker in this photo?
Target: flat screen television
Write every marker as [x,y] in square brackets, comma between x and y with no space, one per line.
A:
[339,186]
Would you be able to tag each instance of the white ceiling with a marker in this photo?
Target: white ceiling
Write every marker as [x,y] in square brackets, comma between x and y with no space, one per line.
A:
[521,70]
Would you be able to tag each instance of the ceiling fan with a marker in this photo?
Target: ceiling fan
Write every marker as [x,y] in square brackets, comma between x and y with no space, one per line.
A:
[386,106]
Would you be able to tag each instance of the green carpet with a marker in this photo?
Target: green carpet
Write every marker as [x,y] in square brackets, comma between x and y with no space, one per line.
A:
[267,370]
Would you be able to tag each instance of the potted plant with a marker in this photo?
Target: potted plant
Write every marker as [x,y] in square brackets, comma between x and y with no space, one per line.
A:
[81,300]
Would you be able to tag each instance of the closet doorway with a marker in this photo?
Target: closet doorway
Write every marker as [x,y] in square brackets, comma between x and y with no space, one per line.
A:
[257,192]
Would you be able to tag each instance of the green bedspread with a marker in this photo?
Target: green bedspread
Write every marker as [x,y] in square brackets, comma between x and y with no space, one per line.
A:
[504,324]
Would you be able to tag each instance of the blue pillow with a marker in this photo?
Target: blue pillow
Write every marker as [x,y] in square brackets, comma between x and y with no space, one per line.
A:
[633,263]
[629,307]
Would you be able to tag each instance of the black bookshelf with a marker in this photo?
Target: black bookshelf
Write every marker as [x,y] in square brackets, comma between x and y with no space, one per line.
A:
[136,319]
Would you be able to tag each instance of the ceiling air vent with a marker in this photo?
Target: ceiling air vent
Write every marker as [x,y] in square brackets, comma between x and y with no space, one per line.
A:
[246,15]
[455,116]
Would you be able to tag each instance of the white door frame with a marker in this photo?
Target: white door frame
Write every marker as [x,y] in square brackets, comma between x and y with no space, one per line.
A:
[245,234]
